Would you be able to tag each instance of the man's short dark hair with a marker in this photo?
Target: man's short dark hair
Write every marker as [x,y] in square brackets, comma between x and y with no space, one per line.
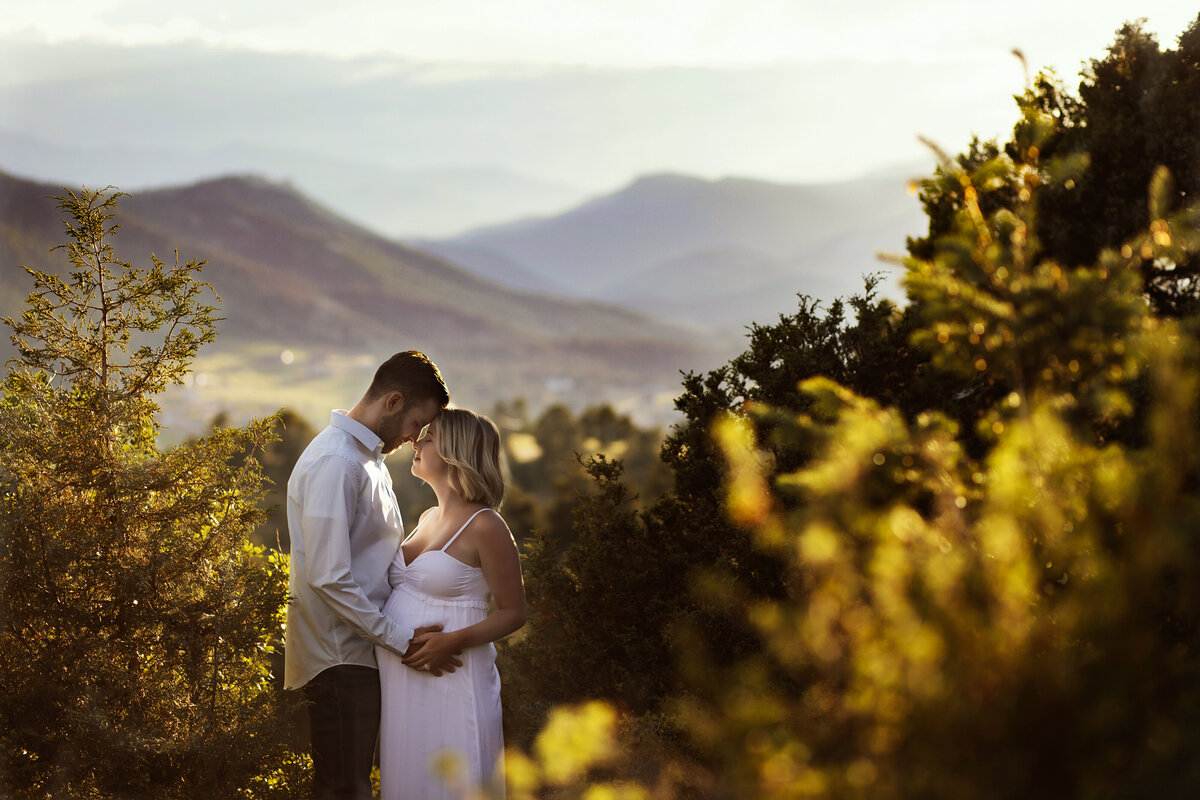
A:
[413,375]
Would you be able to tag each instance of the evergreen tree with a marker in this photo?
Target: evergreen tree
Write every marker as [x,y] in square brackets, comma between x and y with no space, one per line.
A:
[136,617]
[1002,610]
[1135,111]
[958,561]
[1021,624]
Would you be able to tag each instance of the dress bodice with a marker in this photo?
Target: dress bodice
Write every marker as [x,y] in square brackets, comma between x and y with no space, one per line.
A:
[439,575]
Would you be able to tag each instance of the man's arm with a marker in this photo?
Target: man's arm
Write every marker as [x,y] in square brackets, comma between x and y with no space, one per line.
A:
[329,502]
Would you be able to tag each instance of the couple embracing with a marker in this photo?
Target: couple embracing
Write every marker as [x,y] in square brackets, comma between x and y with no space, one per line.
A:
[391,637]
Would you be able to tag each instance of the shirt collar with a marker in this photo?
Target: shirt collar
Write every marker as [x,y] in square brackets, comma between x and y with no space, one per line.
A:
[369,439]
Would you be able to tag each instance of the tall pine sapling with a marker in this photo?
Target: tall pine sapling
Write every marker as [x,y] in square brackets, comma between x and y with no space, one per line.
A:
[136,618]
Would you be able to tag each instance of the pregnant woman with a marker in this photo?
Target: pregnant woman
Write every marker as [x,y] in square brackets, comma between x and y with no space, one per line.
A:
[442,734]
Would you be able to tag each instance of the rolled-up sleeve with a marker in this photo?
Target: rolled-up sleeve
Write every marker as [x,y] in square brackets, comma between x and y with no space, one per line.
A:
[330,497]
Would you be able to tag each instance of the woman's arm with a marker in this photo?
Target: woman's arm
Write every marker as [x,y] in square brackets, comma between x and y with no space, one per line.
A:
[501,564]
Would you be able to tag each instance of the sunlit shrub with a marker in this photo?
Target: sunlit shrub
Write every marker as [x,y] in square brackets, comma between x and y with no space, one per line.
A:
[1020,624]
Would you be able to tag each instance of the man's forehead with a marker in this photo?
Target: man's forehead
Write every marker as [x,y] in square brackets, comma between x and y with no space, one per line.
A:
[426,412]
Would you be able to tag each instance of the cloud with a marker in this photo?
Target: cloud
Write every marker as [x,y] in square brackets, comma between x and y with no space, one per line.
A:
[610,33]
[622,88]
[589,127]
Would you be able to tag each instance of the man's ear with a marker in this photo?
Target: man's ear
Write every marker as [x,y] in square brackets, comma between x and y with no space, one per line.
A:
[393,402]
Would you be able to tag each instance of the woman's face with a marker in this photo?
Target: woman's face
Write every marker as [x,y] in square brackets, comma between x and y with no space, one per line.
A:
[427,461]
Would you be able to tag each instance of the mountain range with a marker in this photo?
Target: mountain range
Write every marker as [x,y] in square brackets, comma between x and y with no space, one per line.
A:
[312,302]
[606,301]
[712,254]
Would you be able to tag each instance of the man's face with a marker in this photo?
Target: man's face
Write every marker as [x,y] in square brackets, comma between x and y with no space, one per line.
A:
[406,424]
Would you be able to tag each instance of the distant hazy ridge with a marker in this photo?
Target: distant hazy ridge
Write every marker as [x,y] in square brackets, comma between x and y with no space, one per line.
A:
[708,253]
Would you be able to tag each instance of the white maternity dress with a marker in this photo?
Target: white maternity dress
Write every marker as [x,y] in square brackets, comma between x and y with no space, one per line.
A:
[441,735]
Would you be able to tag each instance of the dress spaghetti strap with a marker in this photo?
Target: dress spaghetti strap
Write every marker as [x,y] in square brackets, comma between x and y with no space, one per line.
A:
[463,528]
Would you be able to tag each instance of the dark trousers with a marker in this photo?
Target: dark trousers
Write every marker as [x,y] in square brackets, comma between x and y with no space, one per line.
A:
[343,715]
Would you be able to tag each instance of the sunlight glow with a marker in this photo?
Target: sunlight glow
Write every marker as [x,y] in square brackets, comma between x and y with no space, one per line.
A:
[616,33]
[523,447]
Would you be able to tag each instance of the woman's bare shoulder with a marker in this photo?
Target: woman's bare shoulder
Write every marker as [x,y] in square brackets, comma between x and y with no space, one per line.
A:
[490,526]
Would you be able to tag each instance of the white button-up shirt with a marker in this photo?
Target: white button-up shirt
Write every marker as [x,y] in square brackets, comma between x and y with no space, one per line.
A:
[345,529]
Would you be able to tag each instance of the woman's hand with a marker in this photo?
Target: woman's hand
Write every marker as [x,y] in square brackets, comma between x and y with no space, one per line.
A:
[433,651]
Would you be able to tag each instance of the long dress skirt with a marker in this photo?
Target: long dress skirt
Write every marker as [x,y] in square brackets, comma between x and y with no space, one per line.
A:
[440,736]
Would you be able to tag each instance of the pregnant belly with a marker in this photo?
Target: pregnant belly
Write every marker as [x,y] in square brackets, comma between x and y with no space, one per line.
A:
[410,612]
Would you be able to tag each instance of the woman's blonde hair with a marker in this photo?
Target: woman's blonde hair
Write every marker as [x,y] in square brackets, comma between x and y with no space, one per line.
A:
[469,443]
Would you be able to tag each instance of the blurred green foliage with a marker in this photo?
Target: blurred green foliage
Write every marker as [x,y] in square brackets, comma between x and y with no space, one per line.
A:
[944,550]
[1021,624]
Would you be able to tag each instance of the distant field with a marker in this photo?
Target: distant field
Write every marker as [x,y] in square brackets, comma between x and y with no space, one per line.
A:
[257,378]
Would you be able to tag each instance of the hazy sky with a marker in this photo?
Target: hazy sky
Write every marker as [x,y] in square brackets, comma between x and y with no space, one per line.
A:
[582,93]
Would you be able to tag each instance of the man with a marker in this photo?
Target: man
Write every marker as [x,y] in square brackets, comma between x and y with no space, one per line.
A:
[345,528]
